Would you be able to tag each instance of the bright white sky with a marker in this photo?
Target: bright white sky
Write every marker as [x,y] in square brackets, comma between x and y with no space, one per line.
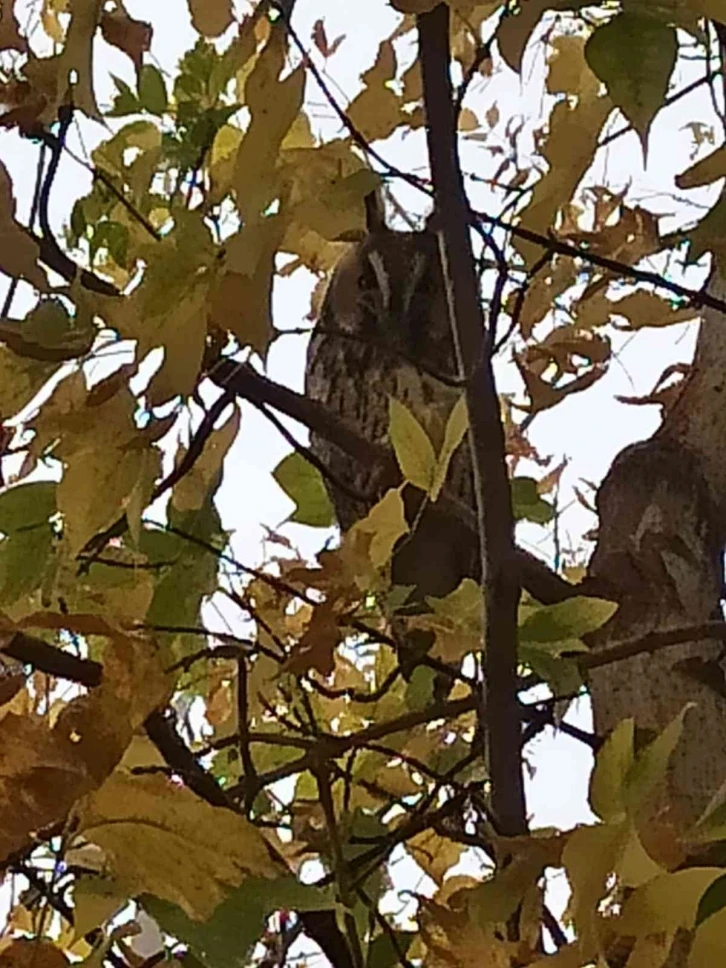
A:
[588,429]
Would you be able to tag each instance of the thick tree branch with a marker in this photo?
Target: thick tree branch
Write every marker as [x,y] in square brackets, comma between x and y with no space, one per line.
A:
[486,435]
[51,660]
[539,580]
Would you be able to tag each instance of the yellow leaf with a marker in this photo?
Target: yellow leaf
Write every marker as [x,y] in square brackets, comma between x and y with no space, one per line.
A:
[340,210]
[97,486]
[613,761]
[456,427]
[651,764]
[49,19]
[242,299]
[182,333]
[386,523]
[95,900]
[273,105]
[222,159]
[434,854]
[413,448]
[590,857]
[163,839]
[40,777]
[514,31]
[467,121]
[709,944]
[44,770]
[376,111]
[569,147]
[193,489]
[636,867]
[211,17]
[643,308]
[668,902]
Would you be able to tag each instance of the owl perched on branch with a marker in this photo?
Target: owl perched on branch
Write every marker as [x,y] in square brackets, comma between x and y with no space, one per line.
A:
[384,332]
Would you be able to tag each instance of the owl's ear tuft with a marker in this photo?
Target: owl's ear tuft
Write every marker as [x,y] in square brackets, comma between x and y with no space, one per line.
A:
[375,215]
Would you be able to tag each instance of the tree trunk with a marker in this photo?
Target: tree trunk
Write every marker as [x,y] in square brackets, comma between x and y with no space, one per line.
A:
[659,554]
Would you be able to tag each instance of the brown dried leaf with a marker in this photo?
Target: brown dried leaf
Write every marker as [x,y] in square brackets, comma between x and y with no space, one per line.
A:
[131,36]
[19,252]
[76,58]
[32,953]
[211,17]
[10,36]
[316,648]
[320,39]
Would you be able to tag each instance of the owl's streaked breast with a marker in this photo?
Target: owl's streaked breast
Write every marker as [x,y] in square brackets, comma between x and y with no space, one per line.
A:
[383,332]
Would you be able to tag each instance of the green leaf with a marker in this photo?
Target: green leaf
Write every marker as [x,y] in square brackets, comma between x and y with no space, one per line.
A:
[527,504]
[634,56]
[612,764]
[420,688]
[713,900]
[305,487]
[383,953]
[562,675]
[414,451]
[191,572]
[386,523]
[112,236]
[651,764]
[26,506]
[566,620]
[225,939]
[125,102]
[152,90]
[456,427]
[23,558]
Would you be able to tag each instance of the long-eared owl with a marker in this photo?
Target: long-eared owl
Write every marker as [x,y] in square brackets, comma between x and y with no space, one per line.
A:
[383,332]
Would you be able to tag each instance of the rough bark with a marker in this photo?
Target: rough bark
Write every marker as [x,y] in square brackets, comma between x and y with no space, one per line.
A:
[662,531]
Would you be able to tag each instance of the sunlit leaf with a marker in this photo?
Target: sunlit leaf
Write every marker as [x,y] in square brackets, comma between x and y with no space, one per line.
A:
[414,450]
[651,763]
[164,840]
[273,105]
[612,764]
[566,620]
[385,523]
[456,427]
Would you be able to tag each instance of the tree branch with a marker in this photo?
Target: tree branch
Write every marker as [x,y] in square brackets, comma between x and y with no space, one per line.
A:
[486,434]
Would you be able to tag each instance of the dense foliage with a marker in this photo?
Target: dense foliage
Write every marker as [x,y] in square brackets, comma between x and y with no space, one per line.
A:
[209,758]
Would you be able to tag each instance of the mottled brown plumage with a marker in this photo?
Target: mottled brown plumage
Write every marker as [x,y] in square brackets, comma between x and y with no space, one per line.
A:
[384,331]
